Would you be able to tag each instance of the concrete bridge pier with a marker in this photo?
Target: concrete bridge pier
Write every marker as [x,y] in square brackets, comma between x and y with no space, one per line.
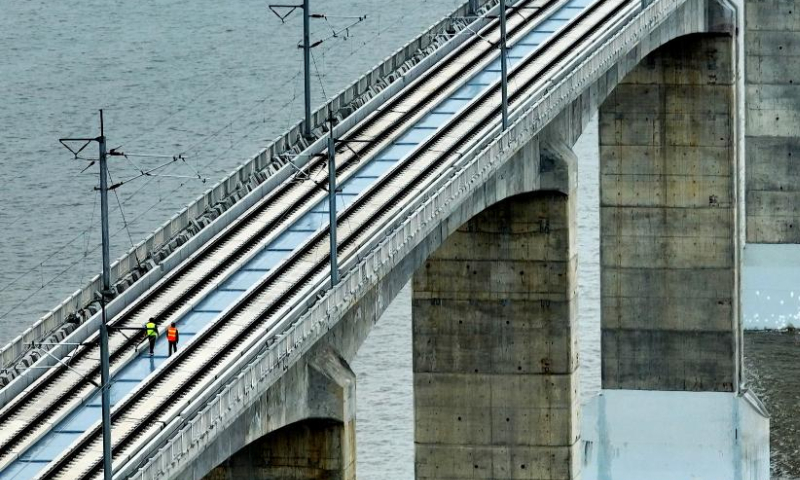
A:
[494,338]
[669,261]
[303,429]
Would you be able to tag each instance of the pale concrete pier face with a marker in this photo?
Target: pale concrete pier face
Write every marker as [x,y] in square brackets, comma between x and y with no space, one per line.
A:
[668,229]
[495,350]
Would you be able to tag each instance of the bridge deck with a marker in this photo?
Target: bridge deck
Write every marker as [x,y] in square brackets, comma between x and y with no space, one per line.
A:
[235,290]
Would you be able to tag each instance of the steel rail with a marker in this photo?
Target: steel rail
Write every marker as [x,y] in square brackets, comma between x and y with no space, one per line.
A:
[34,395]
[349,241]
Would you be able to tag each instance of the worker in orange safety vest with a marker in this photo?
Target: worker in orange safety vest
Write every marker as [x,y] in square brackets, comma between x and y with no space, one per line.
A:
[172,338]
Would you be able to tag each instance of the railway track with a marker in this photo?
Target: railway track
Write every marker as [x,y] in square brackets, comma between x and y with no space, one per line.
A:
[139,416]
[59,391]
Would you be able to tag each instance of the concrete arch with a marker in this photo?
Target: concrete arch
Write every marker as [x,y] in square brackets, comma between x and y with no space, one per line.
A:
[495,346]
[540,165]
[526,170]
[694,17]
[322,386]
[303,428]
[534,195]
[307,449]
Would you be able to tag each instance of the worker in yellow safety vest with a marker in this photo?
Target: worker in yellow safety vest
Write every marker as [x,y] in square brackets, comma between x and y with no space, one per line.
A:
[172,338]
[151,330]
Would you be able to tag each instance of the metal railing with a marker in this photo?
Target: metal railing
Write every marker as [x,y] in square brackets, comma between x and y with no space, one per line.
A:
[183,439]
[267,162]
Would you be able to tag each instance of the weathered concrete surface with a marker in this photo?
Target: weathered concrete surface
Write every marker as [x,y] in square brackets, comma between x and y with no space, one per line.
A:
[668,239]
[495,345]
[309,449]
[303,429]
[521,174]
[694,16]
[772,77]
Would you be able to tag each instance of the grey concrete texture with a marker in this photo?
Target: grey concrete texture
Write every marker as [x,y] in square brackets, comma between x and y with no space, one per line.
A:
[668,236]
[671,314]
[765,69]
[780,16]
[680,191]
[695,160]
[521,174]
[488,391]
[310,449]
[667,360]
[278,427]
[773,163]
[533,225]
[772,129]
[773,173]
[523,463]
[538,278]
[665,237]
[668,129]
[495,344]
[465,336]
[693,17]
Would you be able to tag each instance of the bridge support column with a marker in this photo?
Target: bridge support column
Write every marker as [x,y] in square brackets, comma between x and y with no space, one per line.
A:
[772,66]
[495,346]
[316,405]
[669,265]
